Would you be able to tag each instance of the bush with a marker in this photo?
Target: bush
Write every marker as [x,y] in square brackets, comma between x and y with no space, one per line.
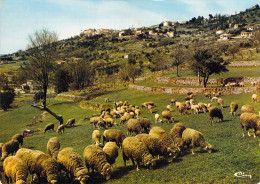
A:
[6,98]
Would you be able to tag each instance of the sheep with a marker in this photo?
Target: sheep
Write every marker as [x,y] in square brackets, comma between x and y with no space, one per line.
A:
[125,118]
[71,122]
[215,112]
[155,146]
[106,99]
[114,135]
[221,102]
[195,108]
[72,163]
[96,137]
[94,121]
[192,101]
[214,99]
[1,145]
[9,148]
[157,118]
[95,158]
[169,108]
[19,138]
[145,124]
[145,104]
[165,138]
[250,121]
[247,108]
[255,98]
[60,129]
[176,134]
[233,108]
[109,122]
[134,127]
[137,112]
[187,104]
[167,115]
[41,164]
[196,139]
[150,109]
[15,170]
[49,127]
[111,151]
[182,108]
[137,152]
[173,101]
[203,107]
[53,147]
[207,95]
[46,167]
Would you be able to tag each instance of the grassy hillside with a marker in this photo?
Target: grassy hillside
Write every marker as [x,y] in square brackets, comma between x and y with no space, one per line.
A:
[232,153]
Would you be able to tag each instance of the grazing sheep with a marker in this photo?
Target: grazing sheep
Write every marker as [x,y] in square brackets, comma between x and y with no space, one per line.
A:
[157,118]
[169,108]
[187,104]
[207,95]
[250,121]
[46,167]
[192,101]
[71,122]
[137,151]
[145,124]
[247,108]
[19,138]
[196,139]
[96,137]
[203,107]
[150,109]
[168,116]
[165,138]
[221,102]
[215,112]
[173,101]
[145,104]
[15,170]
[195,108]
[255,98]
[94,121]
[106,99]
[214,99]
[95,158]
[60,129]
[72,163]
[176,134]
[49,127]
[9,148]
[111,151]
[233,108]
[53,147]
[109,122]
[182,108]
[114,135]
[155,146]
[137,112]
[101,124]
[125,118]
[134,127]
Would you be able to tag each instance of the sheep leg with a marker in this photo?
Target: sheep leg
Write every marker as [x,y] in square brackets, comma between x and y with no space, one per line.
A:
[7,178]
[133,161]
[92,171]
[137,168]
[124,158]
[254,133]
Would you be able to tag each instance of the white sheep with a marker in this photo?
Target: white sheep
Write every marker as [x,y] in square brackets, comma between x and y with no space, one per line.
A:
[157,118]
[96,137]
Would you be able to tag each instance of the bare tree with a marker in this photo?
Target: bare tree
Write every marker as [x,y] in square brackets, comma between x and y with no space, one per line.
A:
[178,57]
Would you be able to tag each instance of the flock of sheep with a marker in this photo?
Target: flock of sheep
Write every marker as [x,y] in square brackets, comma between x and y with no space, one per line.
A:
[145,144]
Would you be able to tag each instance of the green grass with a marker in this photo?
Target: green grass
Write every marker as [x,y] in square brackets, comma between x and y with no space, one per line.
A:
[232,153]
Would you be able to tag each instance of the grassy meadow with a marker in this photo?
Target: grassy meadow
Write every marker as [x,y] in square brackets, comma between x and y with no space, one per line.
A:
[232,153]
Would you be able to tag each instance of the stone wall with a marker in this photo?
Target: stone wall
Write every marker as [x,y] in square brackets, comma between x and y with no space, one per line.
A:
[169,90]
[245,63]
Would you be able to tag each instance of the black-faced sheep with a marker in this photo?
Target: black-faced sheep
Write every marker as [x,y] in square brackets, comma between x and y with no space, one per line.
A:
[111,151]
[165,138]
[60,129]
[15,170]
[255,98]
[19,138]
[134,127]
[145,124]
[114,135]
[49,127]
[96,137]
[173,101]
[247,108]
[72,163]
[176,134]
[233,108]
[168,116]
[250,121]
[94,121]
[71,122]
[155,146]
[53,147]
[137,151]
[95,158]
[196,139]
[9,148]
[215,112]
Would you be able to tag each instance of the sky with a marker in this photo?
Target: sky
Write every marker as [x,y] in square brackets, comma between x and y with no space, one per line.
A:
[20,18]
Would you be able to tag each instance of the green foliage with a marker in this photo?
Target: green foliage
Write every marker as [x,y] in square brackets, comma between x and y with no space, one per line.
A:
[61,80]
[6,98]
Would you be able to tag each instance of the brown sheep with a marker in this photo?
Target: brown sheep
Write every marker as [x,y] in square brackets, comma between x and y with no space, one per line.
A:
[134,127]
[145,124]
[96,137]
[215,112]
[114,135]
[137,151]
[60,129]
[53,147]
[71,122]
[176,134]
[168,116]
[250,121]
[196,139]
[247,108]
[15,170]
[19,138]
[49,127]
[233,108]
[9,148]
[173,101]
[95,158]
[111,151]
[94,121]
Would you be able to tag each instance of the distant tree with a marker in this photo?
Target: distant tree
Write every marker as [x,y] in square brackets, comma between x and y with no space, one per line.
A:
[158,62]
[129,72]
[207,62]
[6,98]
[61,80]
[178,57]
[3,80]
[233,49]
[256,40]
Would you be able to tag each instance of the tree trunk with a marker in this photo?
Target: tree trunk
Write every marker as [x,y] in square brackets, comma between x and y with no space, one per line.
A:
[44,95]
[199,78]
[177,70]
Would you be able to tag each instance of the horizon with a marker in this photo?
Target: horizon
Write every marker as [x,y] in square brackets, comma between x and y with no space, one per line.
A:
[69,18]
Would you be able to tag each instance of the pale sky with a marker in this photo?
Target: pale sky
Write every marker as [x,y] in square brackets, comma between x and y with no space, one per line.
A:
[19,18]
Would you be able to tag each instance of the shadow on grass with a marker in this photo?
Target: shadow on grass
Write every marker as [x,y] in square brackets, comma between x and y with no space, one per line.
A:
[226,120]
[75,126]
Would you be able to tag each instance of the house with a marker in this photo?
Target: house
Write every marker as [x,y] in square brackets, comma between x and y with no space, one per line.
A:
[167,23]
[121,33]
[171,34]
[89,32]
[225,36]
[219,32]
